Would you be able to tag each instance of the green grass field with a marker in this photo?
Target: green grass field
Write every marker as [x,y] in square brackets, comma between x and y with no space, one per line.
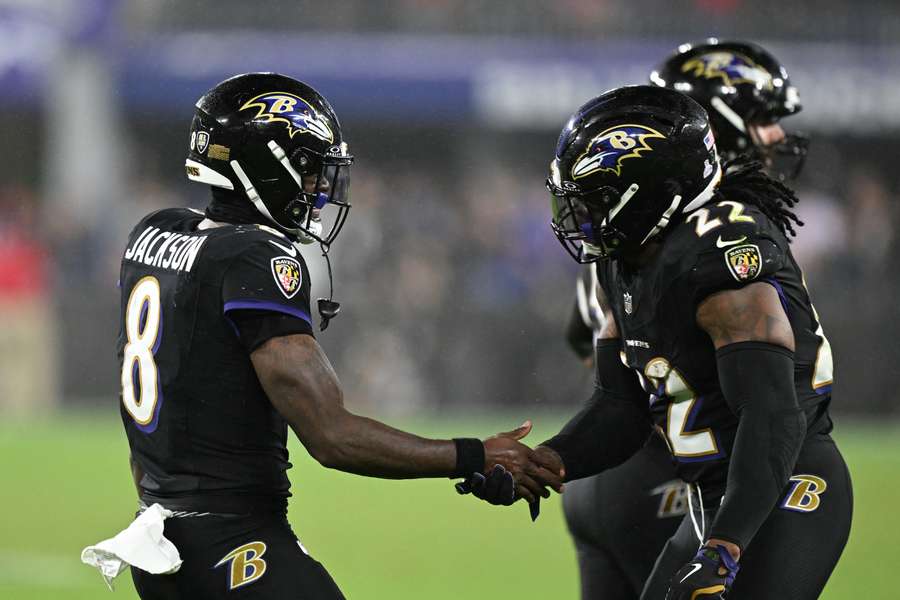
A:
[66,484]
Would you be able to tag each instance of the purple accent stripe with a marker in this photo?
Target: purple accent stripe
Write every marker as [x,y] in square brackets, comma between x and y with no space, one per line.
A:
[692,416]
[159,332]
[237,333]
[784,503]
[267,305]
[698,459]
[781,295]
[142,319]
[135,382]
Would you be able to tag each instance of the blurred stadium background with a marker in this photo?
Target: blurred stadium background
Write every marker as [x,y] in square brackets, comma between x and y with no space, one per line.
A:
[454,291]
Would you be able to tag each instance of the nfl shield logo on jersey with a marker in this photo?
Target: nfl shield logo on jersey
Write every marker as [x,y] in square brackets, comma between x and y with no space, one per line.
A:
[202,141]
[286,271]
[743,261]
[629,306]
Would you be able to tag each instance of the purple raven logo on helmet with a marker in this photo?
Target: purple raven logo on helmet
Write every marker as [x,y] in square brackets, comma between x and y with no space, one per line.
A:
[293,110]
[731,67]
[612,146]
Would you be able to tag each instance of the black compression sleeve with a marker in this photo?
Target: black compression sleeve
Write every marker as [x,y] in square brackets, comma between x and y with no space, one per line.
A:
[614,423]
[255,327]
[757,379]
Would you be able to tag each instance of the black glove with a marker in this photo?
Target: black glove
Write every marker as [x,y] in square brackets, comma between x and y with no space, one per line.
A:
[708,577]
[498,488]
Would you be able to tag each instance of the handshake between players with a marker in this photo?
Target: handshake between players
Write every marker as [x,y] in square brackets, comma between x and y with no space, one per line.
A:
[517,472]
[218,355]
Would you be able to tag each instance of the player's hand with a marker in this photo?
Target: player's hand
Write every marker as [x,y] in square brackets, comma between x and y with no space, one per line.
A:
[708,577]
[551,460]
[498,487]
[528,468]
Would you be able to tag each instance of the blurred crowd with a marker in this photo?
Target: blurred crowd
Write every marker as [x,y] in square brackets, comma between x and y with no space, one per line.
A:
[868,20]
[454,290]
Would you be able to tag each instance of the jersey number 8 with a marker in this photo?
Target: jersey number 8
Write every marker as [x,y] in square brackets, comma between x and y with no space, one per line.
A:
[143,325]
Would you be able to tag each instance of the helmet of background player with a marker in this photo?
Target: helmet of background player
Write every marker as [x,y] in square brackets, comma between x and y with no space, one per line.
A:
[277,141]
[746,92]
[627,164]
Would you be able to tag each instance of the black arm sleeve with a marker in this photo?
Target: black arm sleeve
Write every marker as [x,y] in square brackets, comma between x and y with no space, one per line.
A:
[612,426]
[757,379]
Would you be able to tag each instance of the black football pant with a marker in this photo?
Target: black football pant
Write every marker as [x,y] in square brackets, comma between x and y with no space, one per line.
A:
[252,557]
[621,519]
[797,547]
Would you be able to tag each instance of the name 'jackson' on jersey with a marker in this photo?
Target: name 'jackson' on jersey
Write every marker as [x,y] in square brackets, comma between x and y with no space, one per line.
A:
[724,245]
[198,422]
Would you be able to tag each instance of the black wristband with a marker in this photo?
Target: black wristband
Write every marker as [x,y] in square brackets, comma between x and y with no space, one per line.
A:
[469,456]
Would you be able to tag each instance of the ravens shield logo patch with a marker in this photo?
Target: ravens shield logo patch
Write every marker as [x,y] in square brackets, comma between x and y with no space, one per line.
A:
[743,261]
[286,271]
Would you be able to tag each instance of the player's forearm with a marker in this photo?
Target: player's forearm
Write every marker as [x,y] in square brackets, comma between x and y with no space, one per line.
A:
[604,434]
[302,385]
[367,447]
[612,426]
[758,382]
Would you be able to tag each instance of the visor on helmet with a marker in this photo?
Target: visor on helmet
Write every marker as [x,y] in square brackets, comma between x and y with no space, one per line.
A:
[579,221]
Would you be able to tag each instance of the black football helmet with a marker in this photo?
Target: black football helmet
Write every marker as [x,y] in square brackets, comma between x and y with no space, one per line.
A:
[278,141]
[740,85]
[627,164]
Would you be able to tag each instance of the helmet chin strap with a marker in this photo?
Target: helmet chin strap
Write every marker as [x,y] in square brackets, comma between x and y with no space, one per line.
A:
[664,220]
[731,116]
[251,192]
[707,193]
[314,226]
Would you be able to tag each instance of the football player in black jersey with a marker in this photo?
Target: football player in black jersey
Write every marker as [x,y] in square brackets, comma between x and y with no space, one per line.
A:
[620,519]
[746,92]
[218,355]
[706,312]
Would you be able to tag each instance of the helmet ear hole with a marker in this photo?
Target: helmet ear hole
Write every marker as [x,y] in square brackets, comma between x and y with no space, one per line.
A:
[301,161]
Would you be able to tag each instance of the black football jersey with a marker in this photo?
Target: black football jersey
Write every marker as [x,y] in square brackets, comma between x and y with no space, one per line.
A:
[197,420]
[724,245]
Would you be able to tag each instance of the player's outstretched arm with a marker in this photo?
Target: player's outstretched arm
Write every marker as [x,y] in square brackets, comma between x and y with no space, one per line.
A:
[302,385]
[615,421]
[754,350]
[612,425]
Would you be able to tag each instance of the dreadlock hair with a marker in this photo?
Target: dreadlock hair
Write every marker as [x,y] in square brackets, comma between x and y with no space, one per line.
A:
[745,181]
